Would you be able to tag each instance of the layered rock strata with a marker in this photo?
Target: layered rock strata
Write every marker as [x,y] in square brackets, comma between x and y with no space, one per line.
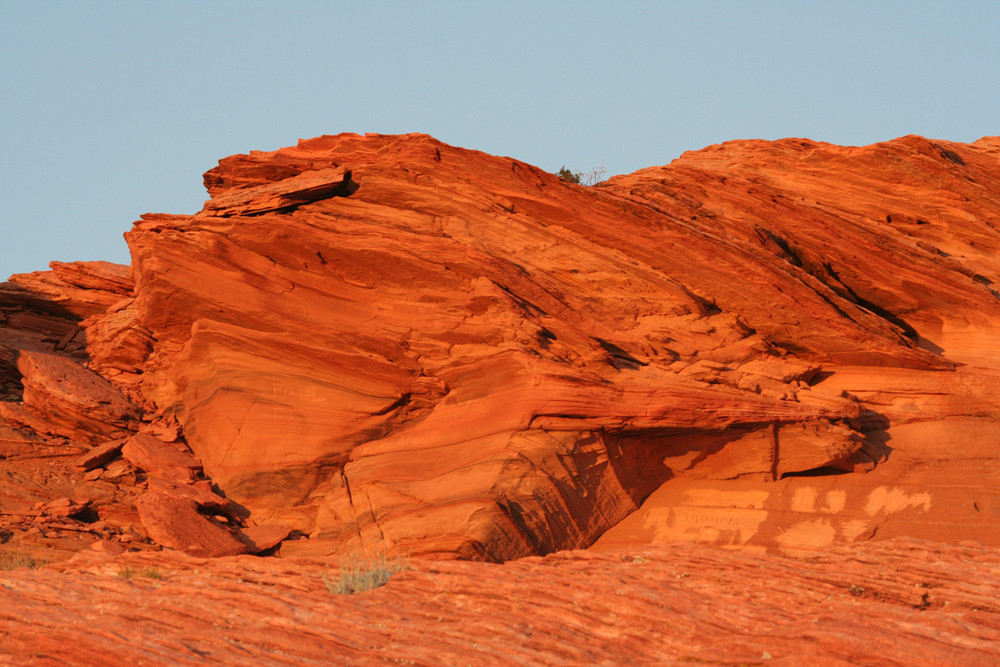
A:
[388,340]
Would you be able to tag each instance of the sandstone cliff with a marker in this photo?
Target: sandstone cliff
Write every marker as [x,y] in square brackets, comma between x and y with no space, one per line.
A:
[386,340]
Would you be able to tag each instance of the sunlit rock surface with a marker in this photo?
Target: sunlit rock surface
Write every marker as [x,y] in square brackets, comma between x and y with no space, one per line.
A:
[386,340]
[898,602]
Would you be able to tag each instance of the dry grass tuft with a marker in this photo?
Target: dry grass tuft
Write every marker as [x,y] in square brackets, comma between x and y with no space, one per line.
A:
[359,574]
[12,559]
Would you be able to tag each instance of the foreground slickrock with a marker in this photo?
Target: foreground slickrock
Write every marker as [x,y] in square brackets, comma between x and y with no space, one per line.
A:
[902,602]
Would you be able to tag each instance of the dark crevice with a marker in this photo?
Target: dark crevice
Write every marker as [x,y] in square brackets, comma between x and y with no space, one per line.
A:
[950,156]
[515,513]
[11,387]
[86,515]
[819,376]
[395,405]
[619,357]
[545,338]
[545,333]
[786,250]
[525,305]
[822,471]
[873,308]
[566,415]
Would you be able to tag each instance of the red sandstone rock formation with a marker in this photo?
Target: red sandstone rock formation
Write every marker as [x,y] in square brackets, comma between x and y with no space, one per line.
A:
[780,345]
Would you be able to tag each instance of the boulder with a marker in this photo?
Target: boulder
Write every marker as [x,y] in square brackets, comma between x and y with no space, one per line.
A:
[73,401]
[175,522]
[101,455]
[151,454]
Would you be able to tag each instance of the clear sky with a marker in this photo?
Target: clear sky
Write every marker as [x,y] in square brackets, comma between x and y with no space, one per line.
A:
[113,109]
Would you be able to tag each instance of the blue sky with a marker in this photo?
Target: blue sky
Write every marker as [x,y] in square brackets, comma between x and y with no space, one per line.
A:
[113,109]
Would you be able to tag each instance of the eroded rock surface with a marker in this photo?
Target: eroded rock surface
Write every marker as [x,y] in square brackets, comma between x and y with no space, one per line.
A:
[387,340]
[901,602]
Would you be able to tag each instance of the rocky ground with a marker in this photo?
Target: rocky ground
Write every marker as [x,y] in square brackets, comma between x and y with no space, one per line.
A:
[901,602]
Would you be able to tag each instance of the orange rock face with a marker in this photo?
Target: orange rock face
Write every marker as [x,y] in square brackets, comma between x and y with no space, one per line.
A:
[387,340]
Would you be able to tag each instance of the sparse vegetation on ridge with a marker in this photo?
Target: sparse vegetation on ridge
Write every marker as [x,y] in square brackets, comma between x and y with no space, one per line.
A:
[569,176]
[592,177]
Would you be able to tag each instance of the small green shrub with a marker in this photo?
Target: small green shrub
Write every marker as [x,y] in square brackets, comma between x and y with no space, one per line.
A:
[359,574]
[569,176]
[592,177]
